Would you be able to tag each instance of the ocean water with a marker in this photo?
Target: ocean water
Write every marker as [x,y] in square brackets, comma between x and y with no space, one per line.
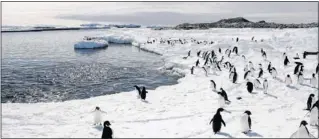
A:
[45,67]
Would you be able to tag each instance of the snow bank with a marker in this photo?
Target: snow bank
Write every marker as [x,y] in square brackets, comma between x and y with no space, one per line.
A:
[185,109]
[92,44]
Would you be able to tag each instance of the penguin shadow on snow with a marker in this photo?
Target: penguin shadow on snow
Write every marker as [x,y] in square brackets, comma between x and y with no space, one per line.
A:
[253,134]
[292,87]
[224,134]
[99,127]
[145,101]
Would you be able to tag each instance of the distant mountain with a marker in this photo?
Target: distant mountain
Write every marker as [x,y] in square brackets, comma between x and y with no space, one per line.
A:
[240,22]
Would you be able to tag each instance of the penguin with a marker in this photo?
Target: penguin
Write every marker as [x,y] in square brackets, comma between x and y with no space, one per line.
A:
[143,93]
[197,62]
[314,81]
[310,101]
[256,83]
[269,67]
[138,91]
[252,39]
[213,84]
[246,74]
[245,122]
[98,116]
[288,80]
[221,99]
[286,61]
[300,78]
[189,53]
[217,120]
[237,39]
[264,55]
[251,66]
[302,132]
[250,87]
[198,53]
[235,49]
[206,74]
[219,50]
[265,86]
[227,51]
[262,51]
[317,69]
[297,56]
[261,72]
[273,72]
[231,75]
[223,93]
[234,79]
[296,70]
[314,114]
[107,131]
[192,70]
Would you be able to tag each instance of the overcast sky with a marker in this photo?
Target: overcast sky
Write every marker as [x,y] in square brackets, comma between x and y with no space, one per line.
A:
[153,13]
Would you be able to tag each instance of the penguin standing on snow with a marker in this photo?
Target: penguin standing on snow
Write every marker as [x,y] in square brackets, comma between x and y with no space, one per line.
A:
[273,72]
[250,87]
[189,53]
[219,50]
[218,120]
[235,49]
[138,91]
[192,70]
[246,74]
[310,101]
[234,79]
[256,83]
[107,131]
[212,84]
[223,93]
[237,39]
[261,72]
[143,93]
[297,68]
[288,80]
[221,99]
[302,132]
[265,86]
[269,67]
[300,78]
[314,114]
[197,62]
[286,61]
[245,122]
[251,66]
[314,81]
[98,116]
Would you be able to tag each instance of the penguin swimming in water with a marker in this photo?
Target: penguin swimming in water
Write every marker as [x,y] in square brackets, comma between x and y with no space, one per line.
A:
[261,72]
[310,101]
[98,116]
[192,70]
[245,122]
[212,85]
[286,61]
[314,114]
[302,132]
[265,86]
[250,87]
[235,49]
[314,81]
[107,131]
[256,83]
[217,120]
[288,80]
[143,93]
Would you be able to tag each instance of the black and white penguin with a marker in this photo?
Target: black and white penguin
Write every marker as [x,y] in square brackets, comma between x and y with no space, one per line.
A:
[212,85]
[197,62]
[310,101]
[314,81]
[252,39]
[223,93]
[234,79]
[297,68]
[251,66]
[198,53]
[273,72]
[237,39]
[107,131]
[264,55]
[189,53]
[261,72]
[314,114]
[250,87]
[265,86]
[288,80]
[192,70]
[269,67]
[246,74]
[260,65]
[286,61]
[143,93]
[245,122]
[235,50]
[302,132]
[300,78]
[219,50]
[98,116]
[217,120]
[138,89]
[256,83]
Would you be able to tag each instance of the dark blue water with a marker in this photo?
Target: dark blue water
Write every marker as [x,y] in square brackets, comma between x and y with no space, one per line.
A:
[44,67]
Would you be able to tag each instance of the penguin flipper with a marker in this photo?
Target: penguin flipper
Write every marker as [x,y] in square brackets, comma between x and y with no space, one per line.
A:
[249,122]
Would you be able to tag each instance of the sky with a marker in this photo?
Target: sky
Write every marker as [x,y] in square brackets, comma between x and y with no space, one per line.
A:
[153,13]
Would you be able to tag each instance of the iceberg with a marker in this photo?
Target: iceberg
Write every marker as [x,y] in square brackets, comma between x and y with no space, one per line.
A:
[91,44]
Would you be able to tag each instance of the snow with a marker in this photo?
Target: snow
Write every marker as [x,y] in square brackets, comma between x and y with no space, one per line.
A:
[185,109]
[92,44]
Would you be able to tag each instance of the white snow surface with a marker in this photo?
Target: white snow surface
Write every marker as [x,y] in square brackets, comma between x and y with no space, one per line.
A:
[185,109]
[91,44]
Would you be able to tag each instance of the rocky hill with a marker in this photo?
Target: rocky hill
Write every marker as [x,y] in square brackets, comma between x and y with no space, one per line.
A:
[240,22]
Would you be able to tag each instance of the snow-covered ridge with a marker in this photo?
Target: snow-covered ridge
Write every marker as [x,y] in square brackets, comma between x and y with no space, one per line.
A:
[185,109]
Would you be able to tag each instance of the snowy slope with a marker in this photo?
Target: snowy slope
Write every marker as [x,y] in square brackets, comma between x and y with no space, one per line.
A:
[185,109]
